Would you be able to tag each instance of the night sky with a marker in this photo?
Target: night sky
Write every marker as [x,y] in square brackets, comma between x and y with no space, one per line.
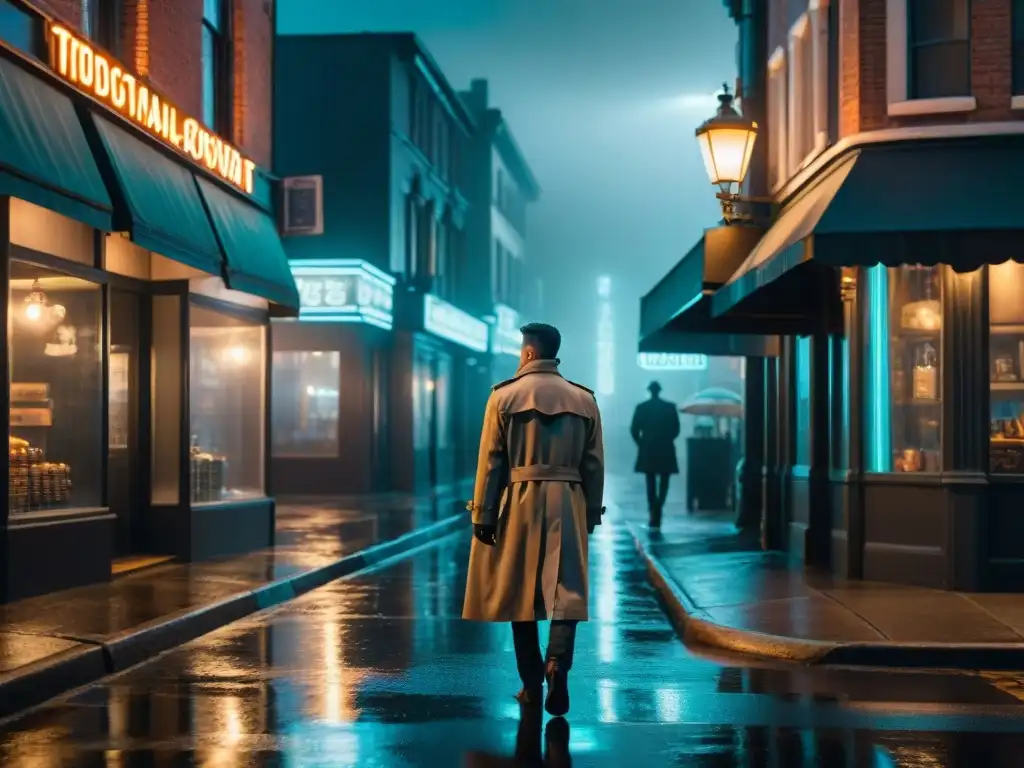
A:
[603,97]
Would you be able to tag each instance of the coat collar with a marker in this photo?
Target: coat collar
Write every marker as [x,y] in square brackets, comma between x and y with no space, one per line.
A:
[539,366]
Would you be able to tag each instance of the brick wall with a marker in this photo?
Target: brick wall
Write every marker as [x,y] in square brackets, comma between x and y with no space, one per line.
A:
[163,42]
[862,82]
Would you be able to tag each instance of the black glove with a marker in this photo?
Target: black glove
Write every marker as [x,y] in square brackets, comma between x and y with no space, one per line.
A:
[486,534]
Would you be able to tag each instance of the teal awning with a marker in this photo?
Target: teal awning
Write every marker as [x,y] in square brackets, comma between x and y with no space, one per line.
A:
[44,155]
[675,315]
[936,201]
[157,201]
[256,261]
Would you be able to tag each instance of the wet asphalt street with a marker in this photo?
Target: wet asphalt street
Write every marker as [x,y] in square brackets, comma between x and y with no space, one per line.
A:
[380,671]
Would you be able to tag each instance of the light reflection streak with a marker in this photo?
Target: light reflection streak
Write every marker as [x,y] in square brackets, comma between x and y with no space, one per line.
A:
[607,598]
[668,704]
[606,701]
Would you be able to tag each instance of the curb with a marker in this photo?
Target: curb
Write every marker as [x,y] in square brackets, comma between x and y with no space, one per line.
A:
[693,626]
[35,683]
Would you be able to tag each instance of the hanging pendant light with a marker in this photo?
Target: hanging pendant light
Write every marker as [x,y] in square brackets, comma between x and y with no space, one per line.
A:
[37,310]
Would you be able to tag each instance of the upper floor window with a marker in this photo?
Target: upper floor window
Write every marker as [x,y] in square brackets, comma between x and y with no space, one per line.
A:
[939,48]
[102,22]
[798,95]
[1018,47]
[217,65]
[21,30]
[778,118]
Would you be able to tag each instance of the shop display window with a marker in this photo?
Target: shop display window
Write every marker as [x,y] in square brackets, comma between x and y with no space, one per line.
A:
[305,398]
[56,426]
[904,369]
[226,397]
[802,360]
[1006,368]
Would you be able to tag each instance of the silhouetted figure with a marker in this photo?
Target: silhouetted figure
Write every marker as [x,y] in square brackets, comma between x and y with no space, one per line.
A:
[655,428]
[539,489]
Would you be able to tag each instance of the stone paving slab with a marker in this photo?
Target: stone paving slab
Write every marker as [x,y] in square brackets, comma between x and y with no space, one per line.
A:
[730,595]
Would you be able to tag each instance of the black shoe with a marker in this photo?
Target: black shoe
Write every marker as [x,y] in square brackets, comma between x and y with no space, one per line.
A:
[530,695]
[557,702]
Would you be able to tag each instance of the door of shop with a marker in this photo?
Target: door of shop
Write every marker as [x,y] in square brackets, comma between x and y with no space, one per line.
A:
[123,461]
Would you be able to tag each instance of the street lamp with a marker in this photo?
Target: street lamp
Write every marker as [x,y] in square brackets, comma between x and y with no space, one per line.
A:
[726,143]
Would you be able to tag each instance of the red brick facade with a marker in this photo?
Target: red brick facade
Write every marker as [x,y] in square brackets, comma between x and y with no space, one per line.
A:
[163,43]
[862,67]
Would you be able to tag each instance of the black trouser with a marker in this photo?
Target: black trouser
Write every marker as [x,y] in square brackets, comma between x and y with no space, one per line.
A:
[657,492]
[561,644]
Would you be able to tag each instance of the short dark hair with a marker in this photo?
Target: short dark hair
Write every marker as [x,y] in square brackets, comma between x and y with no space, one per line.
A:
[544,338]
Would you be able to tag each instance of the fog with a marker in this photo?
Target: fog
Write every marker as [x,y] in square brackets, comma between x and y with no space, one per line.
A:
[603,97]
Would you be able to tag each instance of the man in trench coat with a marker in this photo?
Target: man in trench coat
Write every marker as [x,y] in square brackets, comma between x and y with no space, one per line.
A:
[654,429]
[538,494]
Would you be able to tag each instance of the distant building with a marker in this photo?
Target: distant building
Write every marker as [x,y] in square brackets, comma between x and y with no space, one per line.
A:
[500,186]
[381,383]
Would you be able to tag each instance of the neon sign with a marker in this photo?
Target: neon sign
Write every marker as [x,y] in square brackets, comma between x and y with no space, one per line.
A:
[442,319]
[108,81]
[344,291]
[508,339]
[671,361]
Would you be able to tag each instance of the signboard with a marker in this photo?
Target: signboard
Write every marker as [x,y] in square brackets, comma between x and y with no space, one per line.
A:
[344,291]
[442,319]
[304,205]
[508,339]
[105,79]
[672,361]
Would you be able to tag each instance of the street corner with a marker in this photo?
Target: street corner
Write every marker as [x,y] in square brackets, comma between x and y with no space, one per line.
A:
[695,626]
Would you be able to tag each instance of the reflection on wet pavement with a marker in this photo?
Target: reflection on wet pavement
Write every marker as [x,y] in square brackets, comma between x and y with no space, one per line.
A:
[307,537]
[380,671]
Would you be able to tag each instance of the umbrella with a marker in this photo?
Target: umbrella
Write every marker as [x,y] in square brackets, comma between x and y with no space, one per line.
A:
[714,401]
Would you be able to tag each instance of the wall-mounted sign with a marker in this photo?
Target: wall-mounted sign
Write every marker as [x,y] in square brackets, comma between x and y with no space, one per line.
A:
[507,338]
[108,81]
[672,361]
[344,291]
[303,205]
[442,319]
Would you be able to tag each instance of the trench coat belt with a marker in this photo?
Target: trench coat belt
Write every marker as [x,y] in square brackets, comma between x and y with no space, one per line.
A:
[548,472]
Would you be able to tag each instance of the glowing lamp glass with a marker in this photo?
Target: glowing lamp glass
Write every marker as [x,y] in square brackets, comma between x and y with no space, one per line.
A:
[726,151]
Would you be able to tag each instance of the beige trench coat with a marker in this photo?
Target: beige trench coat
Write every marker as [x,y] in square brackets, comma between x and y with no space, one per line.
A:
[539,478]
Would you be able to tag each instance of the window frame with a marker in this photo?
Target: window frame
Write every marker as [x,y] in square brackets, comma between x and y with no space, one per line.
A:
[1016,54]
[900,102]
[221,34]
[103,21]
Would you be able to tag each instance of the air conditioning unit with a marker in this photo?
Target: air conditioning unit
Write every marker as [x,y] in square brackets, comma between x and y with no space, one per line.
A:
[303,205]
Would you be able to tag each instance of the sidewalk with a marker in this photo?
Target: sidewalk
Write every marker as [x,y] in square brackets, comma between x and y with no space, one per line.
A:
[723,592]
[57,642]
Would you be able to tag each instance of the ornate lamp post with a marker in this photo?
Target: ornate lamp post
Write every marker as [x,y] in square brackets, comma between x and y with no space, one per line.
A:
[726,144]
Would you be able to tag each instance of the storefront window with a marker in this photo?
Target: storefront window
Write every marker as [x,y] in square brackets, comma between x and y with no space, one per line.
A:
[802,362]
[56,391]
[1006,367]
[227,406]
[305,399]
[904,369]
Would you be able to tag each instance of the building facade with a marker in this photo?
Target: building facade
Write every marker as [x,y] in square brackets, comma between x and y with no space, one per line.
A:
[501,187]
[142,266]
[380,385]
[891,278]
